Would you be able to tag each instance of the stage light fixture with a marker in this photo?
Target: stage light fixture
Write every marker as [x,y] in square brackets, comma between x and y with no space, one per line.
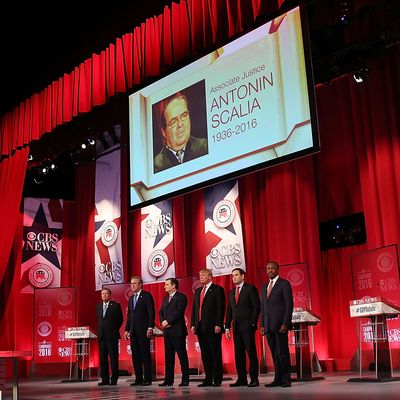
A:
[53,166]
[361,75]
[44,170]
[83,145]
[344,12]
[30,158]
[91,141]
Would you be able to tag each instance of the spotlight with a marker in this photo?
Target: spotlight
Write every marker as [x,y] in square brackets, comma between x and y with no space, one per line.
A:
[361,75]
[345,8]
[91,141]
[44,170]
[83,145]
[30,158]
[53,166]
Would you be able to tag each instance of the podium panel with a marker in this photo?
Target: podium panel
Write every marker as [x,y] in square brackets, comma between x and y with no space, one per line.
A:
[81,336]
[302,319]
[377,310]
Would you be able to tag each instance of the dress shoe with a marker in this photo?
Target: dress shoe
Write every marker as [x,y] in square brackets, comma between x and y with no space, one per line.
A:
[272,384]
[136,383]
[217,384]
[103,383]
[184,383]
[204,384]
[165,384]
[286,384]
[253,384]
[238,383]
[146,384]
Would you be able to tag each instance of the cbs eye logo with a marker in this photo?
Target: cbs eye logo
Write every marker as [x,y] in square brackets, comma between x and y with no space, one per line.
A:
[44,329]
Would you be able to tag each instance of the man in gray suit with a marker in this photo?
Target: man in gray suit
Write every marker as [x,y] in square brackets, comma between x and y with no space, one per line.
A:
[179,145]
[276,320]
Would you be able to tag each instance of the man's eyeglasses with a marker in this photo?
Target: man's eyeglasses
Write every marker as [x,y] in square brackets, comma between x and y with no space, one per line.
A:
[173,122]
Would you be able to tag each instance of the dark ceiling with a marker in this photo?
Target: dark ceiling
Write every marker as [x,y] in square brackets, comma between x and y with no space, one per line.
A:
[40,41]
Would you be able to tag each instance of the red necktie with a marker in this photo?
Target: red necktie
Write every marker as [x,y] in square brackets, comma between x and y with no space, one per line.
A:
[237,294]
[202,294]
[269,288]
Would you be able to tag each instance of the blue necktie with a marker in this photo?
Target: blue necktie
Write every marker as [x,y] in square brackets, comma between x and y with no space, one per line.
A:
[134,301]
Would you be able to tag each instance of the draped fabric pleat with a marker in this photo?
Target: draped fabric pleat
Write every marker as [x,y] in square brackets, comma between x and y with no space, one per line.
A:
[12,175]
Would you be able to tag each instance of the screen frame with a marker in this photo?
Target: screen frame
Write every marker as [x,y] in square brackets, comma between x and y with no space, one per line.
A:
[315,148]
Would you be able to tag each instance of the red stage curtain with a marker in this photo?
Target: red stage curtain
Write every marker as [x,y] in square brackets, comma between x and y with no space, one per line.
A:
[78,246]
[12,175]
[358,170]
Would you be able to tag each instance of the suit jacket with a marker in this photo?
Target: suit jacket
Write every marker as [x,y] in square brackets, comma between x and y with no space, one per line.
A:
[212,310]
[278,308]
[108,327]
[195,147]
[142,317]
[245,313]
[174,312]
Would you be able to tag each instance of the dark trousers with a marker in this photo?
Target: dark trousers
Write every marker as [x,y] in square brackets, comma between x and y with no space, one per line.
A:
[109,348]
[176,345]
[246,342]
[211,356]
[141,357]
[278,344]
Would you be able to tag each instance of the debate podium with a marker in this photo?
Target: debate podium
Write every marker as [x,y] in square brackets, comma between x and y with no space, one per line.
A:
[378,310]
[302,319]
[81,336]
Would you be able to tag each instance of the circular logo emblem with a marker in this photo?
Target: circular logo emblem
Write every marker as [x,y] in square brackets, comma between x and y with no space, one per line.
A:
[31,235]
[64,298]
[40,275]
[385,262]
[296,277]
[44,329]
[224,213]
[109,233]
[158,262]
[128,293]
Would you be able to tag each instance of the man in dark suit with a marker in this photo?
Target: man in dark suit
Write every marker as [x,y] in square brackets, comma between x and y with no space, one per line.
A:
[276,320]
[243,311]
[179,145]
[172,319]
[207,323]
[139,329]
[110,319]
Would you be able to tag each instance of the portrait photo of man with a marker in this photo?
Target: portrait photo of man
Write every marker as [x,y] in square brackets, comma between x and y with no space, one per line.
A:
[180,116]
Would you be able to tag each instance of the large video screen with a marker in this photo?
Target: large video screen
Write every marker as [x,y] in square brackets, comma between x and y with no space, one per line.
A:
[246,105]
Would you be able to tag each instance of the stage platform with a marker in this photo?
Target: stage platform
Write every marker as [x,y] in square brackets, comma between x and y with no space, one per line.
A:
[333,387]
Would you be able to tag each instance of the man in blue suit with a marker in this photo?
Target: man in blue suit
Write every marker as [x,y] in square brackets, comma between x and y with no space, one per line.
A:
[276,320]
[139,329]
[172,319]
